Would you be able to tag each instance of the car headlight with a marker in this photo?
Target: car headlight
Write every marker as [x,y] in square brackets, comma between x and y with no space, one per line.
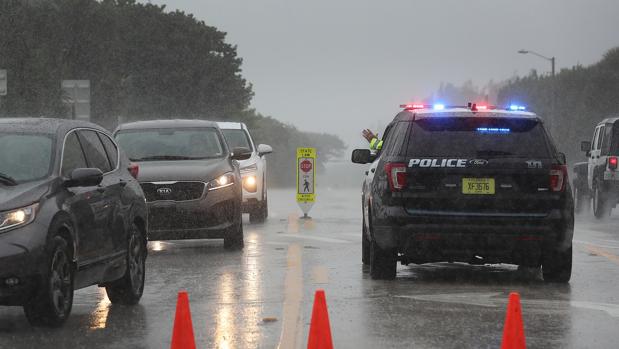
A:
[249,183]
[221,182]
[18,217]
[249,169]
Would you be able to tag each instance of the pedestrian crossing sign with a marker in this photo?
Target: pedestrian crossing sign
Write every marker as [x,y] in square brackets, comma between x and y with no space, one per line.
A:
[306,177]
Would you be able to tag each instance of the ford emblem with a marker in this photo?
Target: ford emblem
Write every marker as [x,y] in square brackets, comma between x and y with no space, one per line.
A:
[164,191]
[478,162]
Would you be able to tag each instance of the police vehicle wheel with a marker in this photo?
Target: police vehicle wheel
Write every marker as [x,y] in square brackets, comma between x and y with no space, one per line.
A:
[365,246]
[128,289]
[601,208]
[557,266]
[52,304]
[582,202]
[233,240]
[382,263]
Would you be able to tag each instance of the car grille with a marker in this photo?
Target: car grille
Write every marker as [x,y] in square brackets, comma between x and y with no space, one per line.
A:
[173,191]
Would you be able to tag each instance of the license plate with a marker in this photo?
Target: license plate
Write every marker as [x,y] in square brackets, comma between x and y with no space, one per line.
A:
[478,186]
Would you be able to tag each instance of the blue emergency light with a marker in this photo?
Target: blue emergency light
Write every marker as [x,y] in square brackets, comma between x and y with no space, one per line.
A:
[515,107]
[493,130]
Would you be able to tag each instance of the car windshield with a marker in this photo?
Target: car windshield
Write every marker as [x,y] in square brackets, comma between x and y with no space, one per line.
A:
[171,144]
[237,139]
[24,157]
[477,137]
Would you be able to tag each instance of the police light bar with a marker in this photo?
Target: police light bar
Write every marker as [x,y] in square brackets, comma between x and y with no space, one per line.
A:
[515,107]
[411,106]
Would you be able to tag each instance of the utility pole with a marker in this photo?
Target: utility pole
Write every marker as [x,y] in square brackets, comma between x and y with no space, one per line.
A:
[553,89]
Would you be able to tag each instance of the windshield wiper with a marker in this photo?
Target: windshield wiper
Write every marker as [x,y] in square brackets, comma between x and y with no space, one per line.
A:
[165,157]
[6,179]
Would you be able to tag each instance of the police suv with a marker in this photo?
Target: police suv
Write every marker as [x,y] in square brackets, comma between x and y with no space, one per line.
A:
[473,184]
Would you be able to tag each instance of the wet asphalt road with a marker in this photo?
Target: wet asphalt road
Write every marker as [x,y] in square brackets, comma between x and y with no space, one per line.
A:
[262,297]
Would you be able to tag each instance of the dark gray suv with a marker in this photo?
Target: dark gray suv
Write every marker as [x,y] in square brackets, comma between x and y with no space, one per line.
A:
[190,178]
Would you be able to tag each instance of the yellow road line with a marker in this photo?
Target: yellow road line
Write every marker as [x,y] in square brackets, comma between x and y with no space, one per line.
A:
[602,253]
[293,297]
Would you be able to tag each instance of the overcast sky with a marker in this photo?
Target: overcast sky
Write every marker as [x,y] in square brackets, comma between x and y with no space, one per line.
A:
[341,65]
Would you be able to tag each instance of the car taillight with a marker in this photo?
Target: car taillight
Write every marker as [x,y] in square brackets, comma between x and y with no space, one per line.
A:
[612,162]
[134,169]
[396,175]
[558,177]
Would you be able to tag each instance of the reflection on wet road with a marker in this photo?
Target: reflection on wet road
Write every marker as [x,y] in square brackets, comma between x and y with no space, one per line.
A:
[262,297]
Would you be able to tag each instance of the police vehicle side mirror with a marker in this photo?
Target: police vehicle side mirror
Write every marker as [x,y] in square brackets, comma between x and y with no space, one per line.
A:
[562,158]
[585,146]
[361,156]
[84,177]
[240,154]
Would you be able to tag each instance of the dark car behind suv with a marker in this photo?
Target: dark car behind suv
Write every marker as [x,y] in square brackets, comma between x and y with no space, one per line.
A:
[71,215]
[467,185]
[190,178]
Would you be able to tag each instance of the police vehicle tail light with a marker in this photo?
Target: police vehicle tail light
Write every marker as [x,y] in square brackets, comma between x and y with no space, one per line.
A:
[558,177]
[396,175]
[134,169]
[612,162]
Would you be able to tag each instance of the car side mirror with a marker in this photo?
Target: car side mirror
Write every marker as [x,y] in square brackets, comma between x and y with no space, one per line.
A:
[240,154]
[585,146]
[84,177]
[264,149]
[562,158]
[362,156]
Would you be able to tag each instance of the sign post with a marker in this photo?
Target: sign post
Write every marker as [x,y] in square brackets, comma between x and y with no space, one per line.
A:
[306,179]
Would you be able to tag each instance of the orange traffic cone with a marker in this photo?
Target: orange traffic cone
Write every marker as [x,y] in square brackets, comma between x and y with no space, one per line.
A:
[320,329]
[182,335]
[513,332]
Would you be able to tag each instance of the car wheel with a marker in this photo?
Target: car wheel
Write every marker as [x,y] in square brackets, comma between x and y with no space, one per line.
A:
[52,304]
[557,266]
[260,213]
[233,239]
[382,263]
[601,208]
[128,289]
[582,201]
[365,246]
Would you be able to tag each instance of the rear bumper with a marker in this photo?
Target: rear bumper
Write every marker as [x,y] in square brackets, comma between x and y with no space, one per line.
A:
[423,237]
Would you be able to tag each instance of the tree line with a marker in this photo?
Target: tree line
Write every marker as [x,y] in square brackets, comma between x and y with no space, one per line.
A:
[143,62]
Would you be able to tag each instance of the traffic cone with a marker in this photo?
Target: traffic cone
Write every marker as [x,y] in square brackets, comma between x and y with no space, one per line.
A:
[513,332]
[182,335]
[320,329]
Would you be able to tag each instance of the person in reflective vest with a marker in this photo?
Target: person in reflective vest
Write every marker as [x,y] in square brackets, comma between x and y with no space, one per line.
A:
[375,143]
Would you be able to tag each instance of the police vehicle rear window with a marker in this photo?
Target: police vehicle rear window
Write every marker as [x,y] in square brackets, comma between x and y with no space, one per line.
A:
[477,137]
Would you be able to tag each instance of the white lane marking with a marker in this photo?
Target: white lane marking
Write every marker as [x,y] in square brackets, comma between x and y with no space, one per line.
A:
[315,238]
[594,244]
[497,299]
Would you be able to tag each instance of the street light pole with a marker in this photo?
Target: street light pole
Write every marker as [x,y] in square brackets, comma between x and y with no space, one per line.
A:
[552,61]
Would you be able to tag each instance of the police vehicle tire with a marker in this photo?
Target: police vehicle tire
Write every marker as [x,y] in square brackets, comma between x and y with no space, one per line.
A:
[365,246]
[233,240]
[382,263]
[601,208]
[129,289]
[557,266]
[53,301]
[582,202]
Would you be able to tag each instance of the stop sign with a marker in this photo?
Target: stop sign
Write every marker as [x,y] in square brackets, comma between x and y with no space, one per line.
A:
[305,166]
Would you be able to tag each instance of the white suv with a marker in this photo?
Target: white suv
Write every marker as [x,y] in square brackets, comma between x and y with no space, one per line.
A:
[253,170]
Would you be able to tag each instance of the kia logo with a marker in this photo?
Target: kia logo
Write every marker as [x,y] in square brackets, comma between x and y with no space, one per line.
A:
[164,191]
[478,162]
